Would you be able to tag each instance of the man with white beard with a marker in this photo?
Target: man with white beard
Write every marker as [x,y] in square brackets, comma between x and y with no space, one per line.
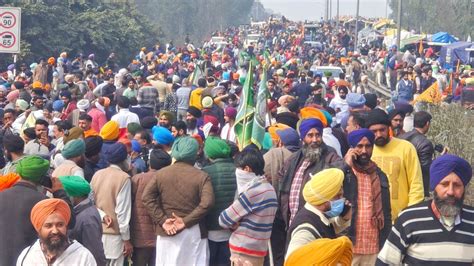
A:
[313,157]
[438,231]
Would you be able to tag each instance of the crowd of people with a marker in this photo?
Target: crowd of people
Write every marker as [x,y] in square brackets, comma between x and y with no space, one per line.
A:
[103,165]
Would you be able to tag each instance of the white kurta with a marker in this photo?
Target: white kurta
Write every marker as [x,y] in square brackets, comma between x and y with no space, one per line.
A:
[228,133]
[330,140]
[338,103]
[185,248]
[125,117]
[113,244]
[75,254]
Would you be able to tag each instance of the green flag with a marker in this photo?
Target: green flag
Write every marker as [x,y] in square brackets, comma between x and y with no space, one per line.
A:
[244,57]
[197,74]
[245,112]
[258,127]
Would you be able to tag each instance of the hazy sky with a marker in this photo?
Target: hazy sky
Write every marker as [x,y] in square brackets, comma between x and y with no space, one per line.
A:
[314,9]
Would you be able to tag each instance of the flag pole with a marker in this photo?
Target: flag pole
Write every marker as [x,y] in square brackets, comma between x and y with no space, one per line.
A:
[249,72]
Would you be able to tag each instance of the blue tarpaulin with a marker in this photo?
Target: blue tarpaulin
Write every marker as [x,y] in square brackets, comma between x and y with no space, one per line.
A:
[450,54]
[443,37]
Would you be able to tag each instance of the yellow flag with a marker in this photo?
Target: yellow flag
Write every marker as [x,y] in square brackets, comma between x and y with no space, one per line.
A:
[29,122]
[430,95]
[420,48]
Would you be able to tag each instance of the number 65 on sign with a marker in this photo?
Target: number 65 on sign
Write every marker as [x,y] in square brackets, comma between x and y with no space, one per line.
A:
[10,29]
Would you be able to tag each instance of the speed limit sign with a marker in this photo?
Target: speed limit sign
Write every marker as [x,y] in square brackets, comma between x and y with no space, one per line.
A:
[10,25]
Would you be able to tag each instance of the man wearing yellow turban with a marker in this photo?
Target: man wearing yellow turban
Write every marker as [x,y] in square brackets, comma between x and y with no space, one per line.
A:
[110,131]
[323,197]
[313,157]
[50,218]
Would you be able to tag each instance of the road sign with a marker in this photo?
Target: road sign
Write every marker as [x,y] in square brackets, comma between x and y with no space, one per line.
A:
[10,26]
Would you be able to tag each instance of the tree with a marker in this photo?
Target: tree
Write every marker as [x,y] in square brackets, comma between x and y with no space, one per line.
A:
[48,30]
[431,16]
[198,18]
[50,27]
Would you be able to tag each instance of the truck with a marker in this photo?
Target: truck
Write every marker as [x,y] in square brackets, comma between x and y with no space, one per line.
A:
[311,33]
[252,39]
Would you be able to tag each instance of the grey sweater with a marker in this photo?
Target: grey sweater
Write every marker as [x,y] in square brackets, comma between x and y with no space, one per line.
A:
[88,230]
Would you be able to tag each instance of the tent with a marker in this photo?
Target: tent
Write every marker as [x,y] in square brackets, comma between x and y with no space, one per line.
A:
[411,40]
[391,36]
[383,23]
[368,35]
[443,37]
[450,54]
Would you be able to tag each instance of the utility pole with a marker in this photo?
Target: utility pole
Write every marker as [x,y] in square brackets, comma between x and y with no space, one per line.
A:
[399,28]
[356,26]
[470,15]
[337,13]
[327,10]
[257,4]
[330,9]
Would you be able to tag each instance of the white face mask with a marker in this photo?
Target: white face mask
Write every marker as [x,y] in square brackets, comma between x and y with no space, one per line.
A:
[243,179]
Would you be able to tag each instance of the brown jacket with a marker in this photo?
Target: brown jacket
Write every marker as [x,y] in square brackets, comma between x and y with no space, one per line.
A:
[141,224]
[181,189]
[40,73]
[274,160]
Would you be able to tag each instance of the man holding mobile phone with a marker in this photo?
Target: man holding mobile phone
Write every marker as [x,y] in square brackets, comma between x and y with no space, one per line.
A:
[367,188]
[40,146]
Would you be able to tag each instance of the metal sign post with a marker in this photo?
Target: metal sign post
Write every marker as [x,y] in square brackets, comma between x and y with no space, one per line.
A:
[10,29]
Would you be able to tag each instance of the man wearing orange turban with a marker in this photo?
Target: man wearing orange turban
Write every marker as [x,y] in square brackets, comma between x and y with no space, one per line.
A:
[311,112]
[273,132]
[8,180]
[50,218]
[43,209]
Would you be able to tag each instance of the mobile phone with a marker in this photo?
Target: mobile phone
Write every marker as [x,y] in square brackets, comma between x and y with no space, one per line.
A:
[439,148]
[347,207]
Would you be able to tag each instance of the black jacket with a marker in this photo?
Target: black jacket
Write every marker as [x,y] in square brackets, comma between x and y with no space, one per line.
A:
[350,188]
[306,216]
[425,150]
[16,230]
[88,230]
[276,95]
[341,136]
[329,159]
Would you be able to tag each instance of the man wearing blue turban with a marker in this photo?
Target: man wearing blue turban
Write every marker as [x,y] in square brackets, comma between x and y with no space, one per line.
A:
[367,188]
[438,231]
[313,157]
